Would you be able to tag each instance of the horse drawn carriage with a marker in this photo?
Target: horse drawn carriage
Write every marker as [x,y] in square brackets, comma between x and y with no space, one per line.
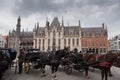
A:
[31,59]
[73,61]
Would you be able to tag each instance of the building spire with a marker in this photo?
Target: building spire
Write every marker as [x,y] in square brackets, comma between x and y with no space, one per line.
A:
[37,25]
[62,22]
[9,32]
[68,23]
[18,26]
[79,24]
[47,22]
[103,25]
[19,20]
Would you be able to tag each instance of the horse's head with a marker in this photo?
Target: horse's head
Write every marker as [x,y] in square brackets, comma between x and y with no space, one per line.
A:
[66,51]
[1,55]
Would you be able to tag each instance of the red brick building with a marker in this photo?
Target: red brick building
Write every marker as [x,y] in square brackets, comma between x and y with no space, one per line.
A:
[95,39]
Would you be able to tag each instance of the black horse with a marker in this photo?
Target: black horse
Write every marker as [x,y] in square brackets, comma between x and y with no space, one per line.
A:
[3,64]
[6,58]
[52,59]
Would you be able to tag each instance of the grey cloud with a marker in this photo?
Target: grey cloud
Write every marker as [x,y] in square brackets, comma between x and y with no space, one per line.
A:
[2,3]
[85,7]
[28,7]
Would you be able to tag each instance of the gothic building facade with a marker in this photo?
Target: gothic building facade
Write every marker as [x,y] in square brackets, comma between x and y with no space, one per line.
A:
[18,38]
[57,36]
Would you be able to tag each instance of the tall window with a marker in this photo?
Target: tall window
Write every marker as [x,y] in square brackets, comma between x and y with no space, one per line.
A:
[48,33]
[54,41]
[39,47]
[59,42]
[59,34]
[48,44]
[69,42]
[48,41]
[77,42]
[65,42]
[35,43]
[43,41]
[54,33]
[39,43]
[73,42]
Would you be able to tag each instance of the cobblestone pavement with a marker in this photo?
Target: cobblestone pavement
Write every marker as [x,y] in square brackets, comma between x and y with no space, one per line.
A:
[35,75]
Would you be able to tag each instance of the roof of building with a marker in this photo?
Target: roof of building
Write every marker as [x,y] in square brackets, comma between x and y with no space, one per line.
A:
[4,37]
[55,22]
[73,30]
[93,30]
[26,34]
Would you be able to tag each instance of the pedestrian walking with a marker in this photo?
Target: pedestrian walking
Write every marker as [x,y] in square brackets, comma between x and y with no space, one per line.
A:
[21,59]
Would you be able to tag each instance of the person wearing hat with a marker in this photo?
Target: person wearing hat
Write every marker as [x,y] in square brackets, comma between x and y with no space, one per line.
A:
[21,59]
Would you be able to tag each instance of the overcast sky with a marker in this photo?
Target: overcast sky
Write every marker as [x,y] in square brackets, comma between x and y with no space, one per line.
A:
[92,13]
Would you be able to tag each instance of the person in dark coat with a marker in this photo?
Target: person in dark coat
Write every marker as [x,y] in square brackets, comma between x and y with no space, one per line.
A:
[21,59]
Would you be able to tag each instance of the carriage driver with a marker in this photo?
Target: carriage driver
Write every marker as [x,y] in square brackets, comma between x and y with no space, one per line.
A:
[21,59]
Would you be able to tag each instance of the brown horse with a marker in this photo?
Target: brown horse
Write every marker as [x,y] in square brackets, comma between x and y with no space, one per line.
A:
[102,62]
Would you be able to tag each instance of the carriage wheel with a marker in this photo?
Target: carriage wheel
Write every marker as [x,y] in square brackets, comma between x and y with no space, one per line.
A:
[68,69]
[81,70]
[26,67]
[91,69]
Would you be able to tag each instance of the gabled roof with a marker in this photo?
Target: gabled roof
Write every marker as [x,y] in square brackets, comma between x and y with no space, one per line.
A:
[71,30]
[96,30]
[41,31]
[26,34]
[55,22]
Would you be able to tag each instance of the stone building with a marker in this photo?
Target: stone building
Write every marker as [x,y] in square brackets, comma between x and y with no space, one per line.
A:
[18,38]
[114,44]
[2,41]
[57,36]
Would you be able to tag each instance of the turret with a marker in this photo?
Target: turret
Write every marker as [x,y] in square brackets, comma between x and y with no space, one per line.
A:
[79,24]
[37,25]
[47,23]
[18,26]
[9,32]
[103,25]
[62,22]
